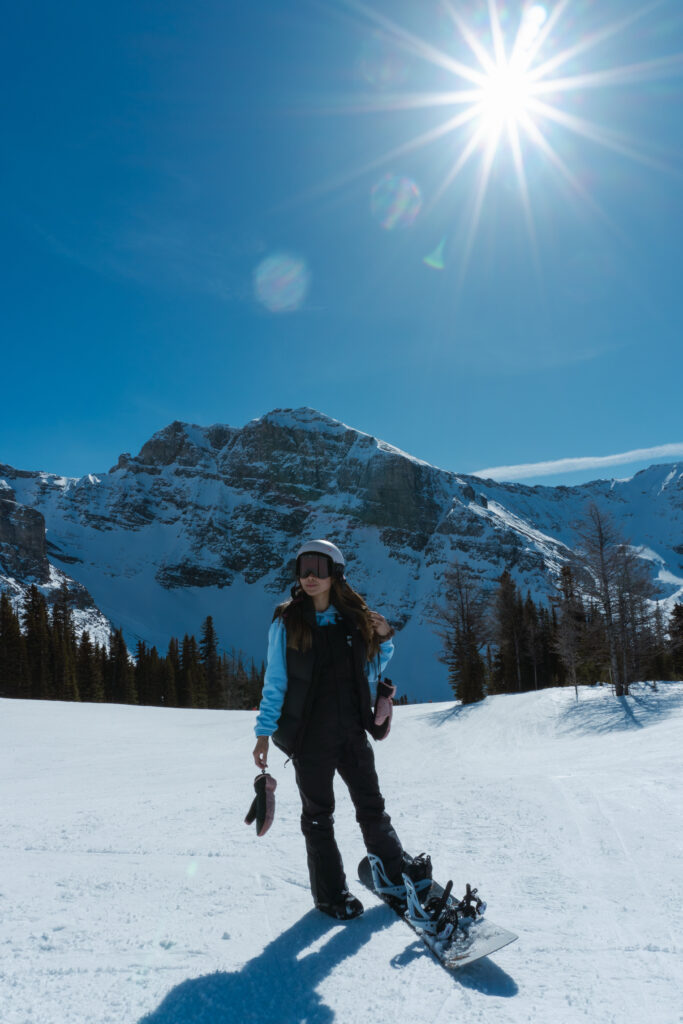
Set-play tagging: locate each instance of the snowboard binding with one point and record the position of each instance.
(443, 918)
(397, 892)
(471, 905)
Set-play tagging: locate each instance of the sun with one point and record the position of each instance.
(505, 99)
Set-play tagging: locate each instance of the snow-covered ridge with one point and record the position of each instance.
(306, 418)
(204, 520)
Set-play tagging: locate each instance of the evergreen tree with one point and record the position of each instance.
(102, 658)
(36, 628)
(552, 670)
(676, 640)
(14, 674)
(463, 634)
(211, 664)
(570, 626)
(508, 632)
(254, 686)
(488, 678)
(594, 662)
(242, 681)
(156, 676)
(89, 671)
(244, 686)
(120, 682)
(231, 695)
(660, 663)
(142, 674)
(192, 675)
(65, 686)
(167, 684)
(174, 673)
(531, 635)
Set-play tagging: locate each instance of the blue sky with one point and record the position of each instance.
(211, 210)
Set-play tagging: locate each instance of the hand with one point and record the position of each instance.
(261, 752)
(382, 627)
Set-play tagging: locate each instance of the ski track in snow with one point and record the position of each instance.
(131, 890)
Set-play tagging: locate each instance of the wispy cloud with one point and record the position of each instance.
(586, 462)
(162, 253)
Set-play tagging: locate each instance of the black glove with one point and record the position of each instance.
(262, 809)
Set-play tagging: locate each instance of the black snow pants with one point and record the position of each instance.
(335, 741)
(354, 760)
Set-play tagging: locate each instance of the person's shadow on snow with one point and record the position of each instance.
(280, 983)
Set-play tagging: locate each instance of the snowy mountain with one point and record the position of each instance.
(132, 893)
(205, 520)
(24, 560)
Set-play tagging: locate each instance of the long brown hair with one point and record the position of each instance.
(348, 603)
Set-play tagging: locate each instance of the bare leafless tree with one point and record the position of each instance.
(611, 573)
(636, 628)
(597, 568)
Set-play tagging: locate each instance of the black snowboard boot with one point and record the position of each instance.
(418, 869)
(344, 908)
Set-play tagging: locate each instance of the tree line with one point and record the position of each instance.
(42, 658)
(602, 625)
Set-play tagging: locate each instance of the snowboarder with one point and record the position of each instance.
(325, 648)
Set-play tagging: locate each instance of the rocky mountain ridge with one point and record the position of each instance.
(205, 520)
(24, 561)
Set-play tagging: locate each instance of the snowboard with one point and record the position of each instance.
(481, 938)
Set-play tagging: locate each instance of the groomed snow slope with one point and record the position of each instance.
(130, 888)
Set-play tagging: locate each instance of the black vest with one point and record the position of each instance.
(328, 694)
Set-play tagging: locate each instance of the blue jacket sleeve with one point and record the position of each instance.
(275, 681)
(378, 664)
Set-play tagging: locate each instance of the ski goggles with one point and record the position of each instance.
(313, 564)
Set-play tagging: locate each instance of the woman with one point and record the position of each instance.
(325, 647)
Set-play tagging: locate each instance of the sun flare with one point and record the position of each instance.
(512, 88)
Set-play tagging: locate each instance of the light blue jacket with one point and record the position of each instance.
(275, 681)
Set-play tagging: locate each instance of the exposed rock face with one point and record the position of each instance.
(25, 561)
(205, 520)
(22, 541)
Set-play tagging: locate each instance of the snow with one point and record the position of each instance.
(669, 477)
(54, 480)
(648, 554)
(384, 446)
(131, 890)
(547, 545)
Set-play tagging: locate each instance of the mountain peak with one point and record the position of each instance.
(303, 418)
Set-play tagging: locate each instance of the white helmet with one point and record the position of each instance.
(324, 547)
